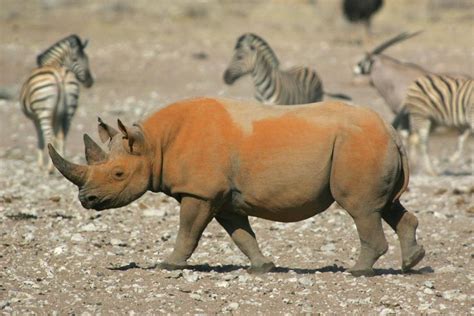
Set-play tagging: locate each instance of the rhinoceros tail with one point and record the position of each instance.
(402, 182)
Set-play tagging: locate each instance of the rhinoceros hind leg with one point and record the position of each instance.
(404, 224)
(413, 259)
(373, 243)
(238, 227)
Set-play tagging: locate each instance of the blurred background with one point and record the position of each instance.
(145, 54)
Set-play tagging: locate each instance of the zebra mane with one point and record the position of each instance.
(261, 45)
(57, 51)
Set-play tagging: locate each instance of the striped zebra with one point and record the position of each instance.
(252, 55)
(438, 100)
(50, 95)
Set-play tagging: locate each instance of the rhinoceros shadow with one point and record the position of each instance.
(280, 269)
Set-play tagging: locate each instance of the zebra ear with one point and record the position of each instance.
(84, 44)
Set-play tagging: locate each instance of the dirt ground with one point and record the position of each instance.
(58, 258)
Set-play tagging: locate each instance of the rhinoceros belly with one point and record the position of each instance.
(287, 194)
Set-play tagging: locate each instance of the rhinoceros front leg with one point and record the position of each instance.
(194, 216)
(238, 227)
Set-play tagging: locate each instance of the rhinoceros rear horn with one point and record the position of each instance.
(94, 153)
(74, 173)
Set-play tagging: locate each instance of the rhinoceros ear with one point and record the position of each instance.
(135, 137)
(106, 132)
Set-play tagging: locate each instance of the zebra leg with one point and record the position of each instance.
(48, 134)
(414, 142)
(60, 141)
(461, 140)
(420, 127)
(40, 145)
(424, 134)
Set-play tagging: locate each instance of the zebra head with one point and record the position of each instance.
(364, 67)
(69, 52)
(249, 51)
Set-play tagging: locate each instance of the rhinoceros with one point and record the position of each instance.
(229, 159)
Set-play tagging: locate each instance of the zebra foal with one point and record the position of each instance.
(298, 85)
(49, 97)
(438, 100)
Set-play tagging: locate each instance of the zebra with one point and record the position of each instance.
(298, 85)
(438, 100)
(49, 96)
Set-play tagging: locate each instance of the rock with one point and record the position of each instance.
(243, 278)
(195, 296)
(447, 269)
(328, 247)
(77, 237)
(231, 307)
(306, 281)
(4, 304)
(175, 274)
(223, 284)
(55, 198)
(454, 295)
(154, 213)
(428, 291)
(387, 311)
(88, 228)
(190, 276)
(59, 250)
(117, 242)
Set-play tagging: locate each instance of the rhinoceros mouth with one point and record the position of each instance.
(98, 206)
(93, 202)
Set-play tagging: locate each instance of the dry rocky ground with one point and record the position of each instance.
(58, 258)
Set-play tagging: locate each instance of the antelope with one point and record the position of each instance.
(390, 77)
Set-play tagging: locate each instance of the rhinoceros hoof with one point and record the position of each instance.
(171, 266)
(266, 267)
(365, 272)
(413, 260)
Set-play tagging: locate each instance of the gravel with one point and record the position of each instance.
(58, 258)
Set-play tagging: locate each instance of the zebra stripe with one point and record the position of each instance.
(49, 97)
(253, 55)
(442, 100)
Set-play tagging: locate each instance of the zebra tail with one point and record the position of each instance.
(401, 120)
(338, 96)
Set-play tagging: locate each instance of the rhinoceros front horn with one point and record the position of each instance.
(74, 173)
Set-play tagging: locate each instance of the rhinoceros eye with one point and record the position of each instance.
(118, 173)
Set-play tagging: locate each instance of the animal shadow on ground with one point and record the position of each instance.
(231, 267)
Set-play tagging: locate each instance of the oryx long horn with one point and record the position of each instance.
(400, 37)
(74, 173)
(94, 153)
